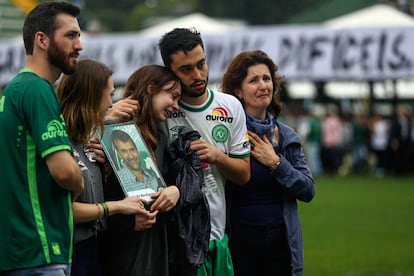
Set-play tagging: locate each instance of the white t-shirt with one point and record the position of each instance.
(221, 122)
(379, 137)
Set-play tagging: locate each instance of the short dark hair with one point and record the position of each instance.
(43, 19)
(179, 39)
(119, 135)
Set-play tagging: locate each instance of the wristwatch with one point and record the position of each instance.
(275, 166)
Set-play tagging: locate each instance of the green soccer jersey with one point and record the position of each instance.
(35, 212)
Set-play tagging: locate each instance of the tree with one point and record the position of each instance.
(132, 15)
(265, 12)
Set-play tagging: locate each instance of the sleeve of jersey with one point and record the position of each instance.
(239, 144)
(46, 125)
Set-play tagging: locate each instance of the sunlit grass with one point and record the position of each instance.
(359, 226)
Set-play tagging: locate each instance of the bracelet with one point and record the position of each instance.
(100, 211)
(275, 166)
(105, 208)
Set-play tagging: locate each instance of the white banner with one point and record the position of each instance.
(302, 52)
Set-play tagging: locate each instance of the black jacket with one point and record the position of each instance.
(189, 233)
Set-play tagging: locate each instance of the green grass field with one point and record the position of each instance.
(359, 226)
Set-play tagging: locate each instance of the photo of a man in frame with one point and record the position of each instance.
(135, 178)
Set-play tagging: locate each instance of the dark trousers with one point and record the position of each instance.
(85, 259)
(260, 251)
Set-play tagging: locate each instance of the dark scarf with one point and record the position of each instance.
(261, 128)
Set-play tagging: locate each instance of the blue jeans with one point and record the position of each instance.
(314, 155)
(47, 270)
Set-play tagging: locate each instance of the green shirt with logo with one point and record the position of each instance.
(36, 225)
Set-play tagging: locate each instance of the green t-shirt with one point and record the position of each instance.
(314, 135)
(36, 217)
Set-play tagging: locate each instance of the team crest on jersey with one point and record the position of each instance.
(220, 114)
(220, 133)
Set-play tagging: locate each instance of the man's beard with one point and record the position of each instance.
(189, 92)
(59, 59)
(192, 93)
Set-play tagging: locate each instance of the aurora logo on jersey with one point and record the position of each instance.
(55, 129)
(178, 114)
(220, 114)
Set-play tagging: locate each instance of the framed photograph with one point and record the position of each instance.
(131, 160)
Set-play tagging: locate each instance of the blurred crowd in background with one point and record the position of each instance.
(342, 143)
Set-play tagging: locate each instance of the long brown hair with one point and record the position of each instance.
(80, 97)
(138, 86)
(237, 71)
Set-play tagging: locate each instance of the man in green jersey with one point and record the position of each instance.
(39, 176)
